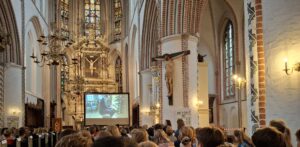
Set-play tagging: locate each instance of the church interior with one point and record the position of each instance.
(226, 63)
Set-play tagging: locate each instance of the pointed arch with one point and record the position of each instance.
(12, 52)
(150, 35)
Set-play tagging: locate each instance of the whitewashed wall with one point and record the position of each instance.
(281, 40)
(212, 20)
(36, 83)
(13, 93)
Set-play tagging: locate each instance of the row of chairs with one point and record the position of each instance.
(45, 140)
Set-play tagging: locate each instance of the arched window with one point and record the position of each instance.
(228, 58)
(117, 18)
(118, 70)
(92, 16)
(64, 15)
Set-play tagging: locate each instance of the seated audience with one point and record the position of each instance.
(268, 137)
(209, 137)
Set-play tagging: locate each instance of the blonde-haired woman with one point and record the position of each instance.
(161, 139)
(114, 131)
(139, 135)
(186, 137)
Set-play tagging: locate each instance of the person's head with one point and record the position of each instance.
(281, 127)
(93, 129)
(128, 142)
(7, 133)
(240, 136)
(298, 137)
(74, 140)
(66, 132)
(139, 135)
(150, 131)
(158, 126)
(168, 123)
(114, 130)
(180, 123)
(186, 132)
(161, 137)
(22, 132)
(109, 141)
(186, 141)
(102, 134)
(209, 137)
(147, 144)
(268, 137)
(169, 130)
(86, 133)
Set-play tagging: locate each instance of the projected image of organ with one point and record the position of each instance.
(106, 106)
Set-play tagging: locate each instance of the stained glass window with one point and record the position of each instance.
(64, 14)
(229, 60)
(92, 16)
(118, 70)
(117, 18)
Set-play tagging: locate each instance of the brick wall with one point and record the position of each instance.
(261, 63)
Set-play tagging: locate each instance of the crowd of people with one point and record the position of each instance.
(277, 134)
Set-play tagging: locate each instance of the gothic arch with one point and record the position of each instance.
(181, 17)
(12, 52)
(33, 73)
(150, 35)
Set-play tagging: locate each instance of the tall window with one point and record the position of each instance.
(64, 15)
(92, 16)
(229, 60)
(118, 70)
(117, 18)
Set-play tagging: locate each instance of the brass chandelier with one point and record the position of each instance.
(53, 49)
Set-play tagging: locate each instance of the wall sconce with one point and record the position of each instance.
(289, 71)
(199, 103)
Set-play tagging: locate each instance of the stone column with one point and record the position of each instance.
(13, 103)
(184, 79)
(146, 96)
(202, 102)
(255, 66)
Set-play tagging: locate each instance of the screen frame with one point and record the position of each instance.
(86, 93)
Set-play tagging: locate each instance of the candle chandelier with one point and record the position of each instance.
(52, 49)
